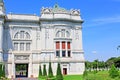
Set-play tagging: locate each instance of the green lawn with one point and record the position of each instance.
(73, 77)
(101, 75)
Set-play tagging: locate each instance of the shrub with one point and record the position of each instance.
(113, 72)
(44, 70)
(85, 74)
(59, 75)
(50, 72)
(40, 71)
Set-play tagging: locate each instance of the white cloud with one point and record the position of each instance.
(103, 21)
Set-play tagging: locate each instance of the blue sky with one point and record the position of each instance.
(101, 27)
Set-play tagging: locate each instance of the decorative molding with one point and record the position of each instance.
(21, 57)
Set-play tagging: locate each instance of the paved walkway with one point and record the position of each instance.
(24, 79)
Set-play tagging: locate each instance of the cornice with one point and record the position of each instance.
(20, 20)
(61, 19)
(61, 61)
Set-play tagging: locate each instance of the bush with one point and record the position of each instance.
(85, 74)
(44, 70)
(113, 72)
(2, 70)
(59, 75)
(50, 72)
(40, 72)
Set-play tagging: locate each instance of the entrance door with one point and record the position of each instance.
(64, 71)
(21, 70)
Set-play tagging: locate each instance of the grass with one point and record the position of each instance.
(101, 75)
(73, 77)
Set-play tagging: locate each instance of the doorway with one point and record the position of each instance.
(21, 70)
(64, 71)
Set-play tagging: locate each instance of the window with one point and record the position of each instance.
(63, 33)
(69, 53)
(57, 53)
(27, 36)
(63, 45)
(16, 35)
(58, 34)
(68, 45)
(27, 46)
(57, 45)
(21, 46)
(63, 53)
(67, 34)
(22, 34)
(63, 49)
(15, 46)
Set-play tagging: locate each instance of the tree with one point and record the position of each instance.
(113, 72)
(44, 70)
(40, 71)
(59, 75)
(50, 72)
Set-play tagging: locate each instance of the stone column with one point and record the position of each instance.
(66, 49)
(13, 66)
(30, 66)
(60, 48)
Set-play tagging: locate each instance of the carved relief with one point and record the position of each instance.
(77, 35)
(38, 34)
(75, 12)
(21, 57)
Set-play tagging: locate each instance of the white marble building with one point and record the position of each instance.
(55, 35)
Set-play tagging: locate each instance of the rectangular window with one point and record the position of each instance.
(15, 46)
(57, 53)
(57, 45)
(27, 46)
(68, 45)
(63, 54)
(21, 46)
(63, 45)
(69, 53)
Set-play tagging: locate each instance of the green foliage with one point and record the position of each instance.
(85, 74)
(50, 72)
(2, 70)
(113, 72)
(44, 70)
(40, 71)
(59, 75)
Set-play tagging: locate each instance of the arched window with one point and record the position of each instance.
(58, 34)
(27, 35)
(63, 33)
(16, 35)
(67, 34)
(22, 34)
